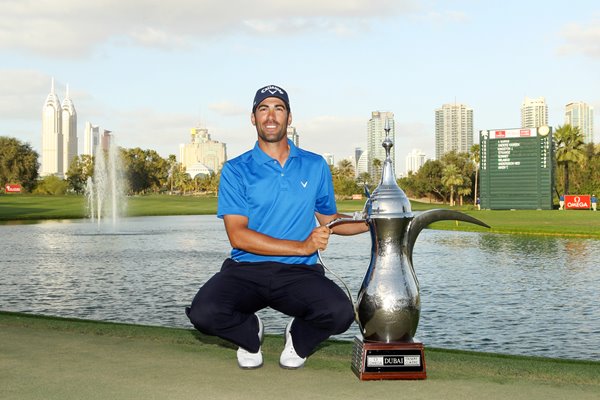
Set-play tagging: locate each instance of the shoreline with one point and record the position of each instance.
(565, 223)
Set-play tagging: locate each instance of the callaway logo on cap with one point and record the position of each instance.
(270, 91)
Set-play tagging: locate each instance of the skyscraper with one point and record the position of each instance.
(52, 140)
(581, 115)
(415, 160)
(59, 134)
(293, 135)
(203, 150)
(69, 131)
(358, 152)
(534, 113)
(91, 139)
(375, 137)
(453, 129)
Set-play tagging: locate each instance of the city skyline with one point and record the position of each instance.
(150, 78)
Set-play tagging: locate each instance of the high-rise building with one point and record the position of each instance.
(362, 165)
(534, 113)
(358, 152)
(329, 159)
(415, 160)
(581, 115)
(52, 140)
(59, 134)
(293, 135)
(202, 150)
(69, 131)
(106, 140)
(91, 138)
(453, 129)
(375, 137)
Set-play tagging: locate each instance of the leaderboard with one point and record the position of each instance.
(516, 169)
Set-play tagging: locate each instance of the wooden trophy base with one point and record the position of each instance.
(379, 361)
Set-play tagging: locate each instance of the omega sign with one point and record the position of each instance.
(16, 188)
(577, 202)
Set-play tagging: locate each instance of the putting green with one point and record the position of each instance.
(54, 358)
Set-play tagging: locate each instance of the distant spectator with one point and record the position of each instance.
(561, 202)
(594, 202)
(478, 204)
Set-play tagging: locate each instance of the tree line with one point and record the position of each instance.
(453, 179)
(144, 172)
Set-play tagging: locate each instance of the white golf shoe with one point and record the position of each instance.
(247, 360)
(289, 359)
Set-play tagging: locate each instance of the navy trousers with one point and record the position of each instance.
(225, 305)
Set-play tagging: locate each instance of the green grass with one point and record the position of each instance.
(33, 207)
(335, 355)
(571, 223)
(537, 222)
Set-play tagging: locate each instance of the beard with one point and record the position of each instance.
(275, 137)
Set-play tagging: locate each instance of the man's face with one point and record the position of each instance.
(271, 119)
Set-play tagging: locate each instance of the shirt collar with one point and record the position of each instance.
(262, 158)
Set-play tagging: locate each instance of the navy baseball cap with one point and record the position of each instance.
(270, 91)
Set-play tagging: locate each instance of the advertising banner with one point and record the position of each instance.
(578, 202)
(12, 188)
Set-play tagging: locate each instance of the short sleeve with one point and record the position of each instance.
(325, 201)
(232, 199)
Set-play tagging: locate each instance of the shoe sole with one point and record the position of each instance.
(287, 367)
(257, 367)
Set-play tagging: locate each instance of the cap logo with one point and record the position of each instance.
(272, 89)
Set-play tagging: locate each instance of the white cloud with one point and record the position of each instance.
(20, 95)
(582, 39)
(73, 28)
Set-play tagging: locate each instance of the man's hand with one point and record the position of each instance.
(317, 240)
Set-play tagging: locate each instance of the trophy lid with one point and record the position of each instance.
(388, 200)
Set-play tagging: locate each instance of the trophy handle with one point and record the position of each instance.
(428, 217)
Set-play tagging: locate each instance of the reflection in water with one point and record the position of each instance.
(499, 293)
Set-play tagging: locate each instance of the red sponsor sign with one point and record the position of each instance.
(525, 132)
(578, 202)
(12, 188)
(500, 134)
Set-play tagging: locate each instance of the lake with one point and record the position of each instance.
(511, 294)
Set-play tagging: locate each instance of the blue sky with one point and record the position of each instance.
(151, 70)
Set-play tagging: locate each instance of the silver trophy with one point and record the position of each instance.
(389, 304)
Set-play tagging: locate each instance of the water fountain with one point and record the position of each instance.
(105, 191)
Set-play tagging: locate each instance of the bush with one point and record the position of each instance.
(51, 185)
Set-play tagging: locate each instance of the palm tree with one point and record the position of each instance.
(463, 190)
(377, 163)
(569, 149)
(364, 179)
(451, 177)
(346, 169)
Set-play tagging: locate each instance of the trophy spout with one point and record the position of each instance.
(428, 217)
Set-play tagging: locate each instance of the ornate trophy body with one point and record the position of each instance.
(389, 304)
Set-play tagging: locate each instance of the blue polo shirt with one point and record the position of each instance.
(278, 201)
